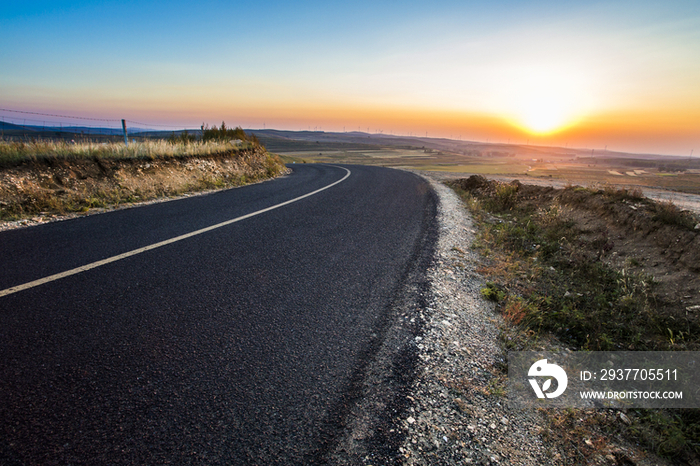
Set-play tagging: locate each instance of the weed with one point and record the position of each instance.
(515, 311)
(632, 262)
(492, 292)
(670, 433)
(622, 194)
(497, 387)
(184, 138)
(667, 212)
(505, 197)
(566, 290)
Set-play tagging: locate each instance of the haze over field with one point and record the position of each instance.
(618, 74)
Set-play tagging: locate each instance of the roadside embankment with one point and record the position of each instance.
(459, 411)
(46, 188)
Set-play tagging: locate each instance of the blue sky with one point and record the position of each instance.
(551, 70)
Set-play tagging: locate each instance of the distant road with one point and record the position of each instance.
(235, 345)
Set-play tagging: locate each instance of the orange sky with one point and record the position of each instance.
(620, 74)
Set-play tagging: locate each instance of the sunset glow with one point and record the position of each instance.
(544, 111)
(505, 71)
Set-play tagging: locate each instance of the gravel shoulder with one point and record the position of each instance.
(458, 413)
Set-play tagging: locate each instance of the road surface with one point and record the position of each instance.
(239, 344)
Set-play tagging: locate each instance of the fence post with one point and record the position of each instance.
(126, 138)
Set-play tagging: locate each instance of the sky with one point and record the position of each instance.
(618, 74)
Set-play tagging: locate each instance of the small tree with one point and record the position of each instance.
(224, 133)
(238, 133)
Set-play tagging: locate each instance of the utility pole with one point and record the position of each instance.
(126, 137)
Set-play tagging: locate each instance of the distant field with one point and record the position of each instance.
(479, 169)
(684, 182)
(674, 174)
(384, 157)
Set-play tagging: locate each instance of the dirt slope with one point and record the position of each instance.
(633, 233)
(50, 188)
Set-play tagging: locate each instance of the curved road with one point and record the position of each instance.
(238, 345)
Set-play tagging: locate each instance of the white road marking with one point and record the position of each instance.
(134, 252)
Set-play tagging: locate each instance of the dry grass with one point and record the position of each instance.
(14, 153)
(57, 178)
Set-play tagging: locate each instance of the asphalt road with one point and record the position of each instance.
(239, 345)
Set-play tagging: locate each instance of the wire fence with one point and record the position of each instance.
(25, 125)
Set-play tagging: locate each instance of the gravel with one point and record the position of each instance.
(457, 413)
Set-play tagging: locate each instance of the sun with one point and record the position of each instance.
(544, 114)
(545, 101)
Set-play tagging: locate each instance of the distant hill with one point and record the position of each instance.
(310, 141)
(10, 127)
(60, 129)
(304, 141)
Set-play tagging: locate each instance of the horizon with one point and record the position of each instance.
(621, 75)
(176, 129)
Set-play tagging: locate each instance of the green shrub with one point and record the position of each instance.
(226, 134)
(505, 197)
(492, 292)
